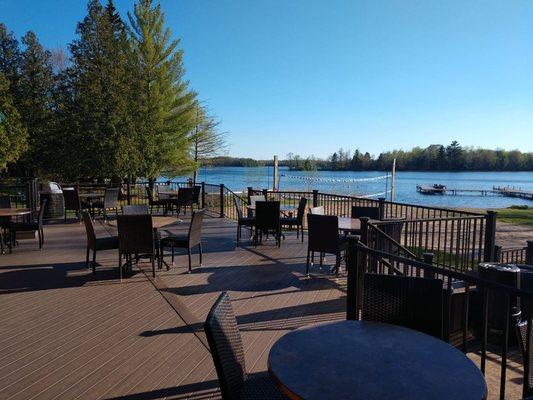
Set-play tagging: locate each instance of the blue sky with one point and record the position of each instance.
(309, 76)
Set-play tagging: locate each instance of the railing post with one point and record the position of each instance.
(529, 252)
(32, 195)
(128, 191)
(490, 236)
(428, 259)
(250, 193)
(265, 193)
(498, 253)
(203, 194)
(352, 285)
(364, 230)
(381, 208)
(221, 200)
(315, 198)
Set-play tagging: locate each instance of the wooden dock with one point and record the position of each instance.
(496, 190)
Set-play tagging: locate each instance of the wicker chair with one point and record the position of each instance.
(35, 225)
(196, 195)
(110, 202)
(73, 202)
(267, 220)
(135, 209)
(524, 342)
(242, 220)
(94, 243)
(297, 221)
(192, 239)
(185, 199)
(155, 203)
(317, 210)
(370, 212)
(414, 303)
(136, 236)
(254, 199)
(227, 350)
(323, 232)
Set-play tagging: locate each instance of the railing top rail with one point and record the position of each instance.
(451, 210)
(418, 220)
(471, 279)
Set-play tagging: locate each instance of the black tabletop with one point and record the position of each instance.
(371, 360)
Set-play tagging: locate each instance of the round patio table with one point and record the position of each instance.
(14, 212)
(371, 360)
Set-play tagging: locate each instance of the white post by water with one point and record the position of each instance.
(275, 181)
(393, 181)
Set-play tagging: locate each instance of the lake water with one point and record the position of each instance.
(239, 178)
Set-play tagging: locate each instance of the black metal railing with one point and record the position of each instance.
(473, 313)
(517, 255)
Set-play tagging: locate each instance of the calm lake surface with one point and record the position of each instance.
(239, 178)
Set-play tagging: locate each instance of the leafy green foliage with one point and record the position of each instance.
(13, 134)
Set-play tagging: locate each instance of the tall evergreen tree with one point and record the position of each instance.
(12, 132)
(35, 104)
(165, 104)
(10, 58)
(100, 76)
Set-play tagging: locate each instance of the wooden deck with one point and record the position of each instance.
(67, 334)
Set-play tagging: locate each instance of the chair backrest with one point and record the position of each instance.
(89, 229)
(370, 212)
(135, 209)
(72, 199)
(135, 234)
(267, 215)
(414, 303)
(255, 199)
(5, 201)
(238, 207)
(226, 346)
(162, 188)
(40, 214)
(185, 194)
(301, 209)
(195, 228)
(525, 344)
(323, 233)
(111, 197)
(150, 195)
(196, 194)
(317, 210)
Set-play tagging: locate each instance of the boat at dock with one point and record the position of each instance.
(435, 189)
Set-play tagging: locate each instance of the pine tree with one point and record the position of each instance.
(35, 104)
(13, 134)
(10, 58)
(101, 76)
(206, 140)
(165, 104)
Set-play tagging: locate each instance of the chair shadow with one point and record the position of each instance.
(193, 391)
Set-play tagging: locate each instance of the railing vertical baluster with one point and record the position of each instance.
(203, 194)
(484, 328)
(221, 200)
(465, 315)
(505, 347)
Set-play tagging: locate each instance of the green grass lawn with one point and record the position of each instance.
(519, 216)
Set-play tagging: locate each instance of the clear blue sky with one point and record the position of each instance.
(312, 76)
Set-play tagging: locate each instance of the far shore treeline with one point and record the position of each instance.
(432, 158)
(114, 104)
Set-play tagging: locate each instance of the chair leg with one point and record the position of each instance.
(337, 264)
(153, 265)
(172, 247)
(321, 260)
(40, 239)
(120, 265)
(87, 258)
(200, 250)
(189, 253)
(94, 261)
(302, 233)
(307, 267)
(238, 233)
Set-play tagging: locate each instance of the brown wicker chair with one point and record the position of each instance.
(242, 220)
(135, 209)
(35, 225)
(323, 237)
(192, 239)
(110, 202)
(525, 344)
(267, 220)
(196, 195)
(370, 212)
(136, 236)
(414, 303)
(96, 243)
(156, 203)
(227, 350)
(297, 221)
(185, 199)
(73, 202)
